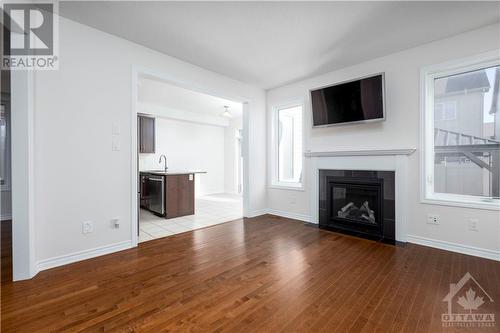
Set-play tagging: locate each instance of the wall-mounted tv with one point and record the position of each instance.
(360, 100)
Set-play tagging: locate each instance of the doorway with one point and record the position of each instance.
(194, 152)
(5, 179)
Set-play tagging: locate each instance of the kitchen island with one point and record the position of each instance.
(168, 193)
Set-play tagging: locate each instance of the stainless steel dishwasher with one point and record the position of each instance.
(155, 189)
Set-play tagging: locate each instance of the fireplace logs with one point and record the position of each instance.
(363, 213)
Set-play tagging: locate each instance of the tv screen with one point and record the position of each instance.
(353, 101)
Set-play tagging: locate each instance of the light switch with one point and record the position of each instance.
(115, 129)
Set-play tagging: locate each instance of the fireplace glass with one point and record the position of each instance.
(357, 203)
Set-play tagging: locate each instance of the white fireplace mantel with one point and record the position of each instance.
(378, 160)
(365, 152)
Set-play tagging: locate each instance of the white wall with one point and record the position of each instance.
(190, 146)
(77, 175)
(400, 130)
(231, 156)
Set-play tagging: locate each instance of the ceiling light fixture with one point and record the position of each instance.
(226, 112)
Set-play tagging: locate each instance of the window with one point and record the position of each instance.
(462, 134)
(445, 111)
(287, 146)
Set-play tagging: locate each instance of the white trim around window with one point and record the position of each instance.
(274, 181)
(427, 77)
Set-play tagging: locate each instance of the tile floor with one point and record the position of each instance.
(209, 210)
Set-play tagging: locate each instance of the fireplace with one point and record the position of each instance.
(360, 203)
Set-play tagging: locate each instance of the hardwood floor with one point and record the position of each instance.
(265, 274)
(6, 250)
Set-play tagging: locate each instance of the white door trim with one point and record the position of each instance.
(23, 185)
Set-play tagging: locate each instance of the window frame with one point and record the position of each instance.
(427, 77)
(274, 181)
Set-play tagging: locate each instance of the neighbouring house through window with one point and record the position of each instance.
(445, 111)
(463, 141)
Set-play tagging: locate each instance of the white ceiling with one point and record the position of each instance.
(269, 44)
(159, 93)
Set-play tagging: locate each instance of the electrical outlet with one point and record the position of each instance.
(87, 227)
(473, 224)
(432, 219)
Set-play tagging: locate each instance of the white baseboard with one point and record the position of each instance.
(294, 216)
(6, 217)
(81, 255)
(256, 213)
(454, 247)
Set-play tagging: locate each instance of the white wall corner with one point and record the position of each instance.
(23, 184)
(293, 216)
(255, 213)
(280, 213)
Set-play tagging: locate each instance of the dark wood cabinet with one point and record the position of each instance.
(146, 134)
(179, 195)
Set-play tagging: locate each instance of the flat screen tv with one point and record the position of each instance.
(360, 100)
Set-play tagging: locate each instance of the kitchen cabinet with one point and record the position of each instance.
(168, 195)
(179, 195)
(146, 127)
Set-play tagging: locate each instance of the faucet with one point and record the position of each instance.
(165, 158)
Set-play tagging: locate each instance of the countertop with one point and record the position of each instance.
(172, 172)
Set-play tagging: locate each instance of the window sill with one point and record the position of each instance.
(486, 205)
(298, 187)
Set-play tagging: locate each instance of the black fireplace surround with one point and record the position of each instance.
(359, 203)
